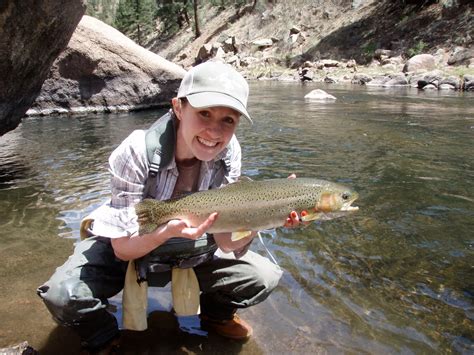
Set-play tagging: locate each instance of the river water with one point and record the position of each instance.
(395, 277)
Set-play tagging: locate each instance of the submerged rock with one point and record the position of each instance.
(103, 70)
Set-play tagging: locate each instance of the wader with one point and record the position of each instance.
(77, 293)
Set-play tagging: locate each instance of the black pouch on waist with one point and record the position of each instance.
(176, 252)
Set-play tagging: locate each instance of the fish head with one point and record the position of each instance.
(336, 198)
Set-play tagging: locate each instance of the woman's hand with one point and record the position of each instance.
(135, 246)
(180, 228)
(293, 220)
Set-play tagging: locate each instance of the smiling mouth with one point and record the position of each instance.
(206, 142)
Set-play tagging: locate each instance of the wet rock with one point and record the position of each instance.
(32, 35)
(319, 94)
(446, 87)
(430, 87)
(306, 74)
(452, 81)
(361, 79)
(432, 78)
(396, 80)
(468, 83)
(420, 62)
(378, 81)
(102, 70)
(330, 80)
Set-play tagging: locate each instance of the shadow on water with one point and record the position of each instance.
(163, 336)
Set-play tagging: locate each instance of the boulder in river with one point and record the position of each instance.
(319, 94)
(468, 83)
(32, 35)
(102, 70)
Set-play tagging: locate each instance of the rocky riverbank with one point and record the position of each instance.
(364, 42)
(444, 70)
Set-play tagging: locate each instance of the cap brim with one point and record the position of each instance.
(213, 99)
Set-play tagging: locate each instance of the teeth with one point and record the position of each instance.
(206, 142)
(350, 208)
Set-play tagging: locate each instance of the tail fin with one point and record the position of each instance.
(145, 213)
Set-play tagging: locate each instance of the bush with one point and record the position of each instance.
(417, 49)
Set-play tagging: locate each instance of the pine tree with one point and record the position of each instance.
(136, 18)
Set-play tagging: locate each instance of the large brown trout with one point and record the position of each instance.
(247, 206)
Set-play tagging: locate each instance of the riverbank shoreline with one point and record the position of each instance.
(449, 79)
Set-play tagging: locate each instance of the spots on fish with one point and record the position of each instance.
(245, 204)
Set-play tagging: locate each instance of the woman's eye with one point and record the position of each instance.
(229, 120)
(204, 113)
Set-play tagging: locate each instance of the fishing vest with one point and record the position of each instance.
(160, 141)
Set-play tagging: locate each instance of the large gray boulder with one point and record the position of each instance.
(102, 70)
(32, 34)
(420, 62)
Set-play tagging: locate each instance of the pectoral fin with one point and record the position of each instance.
(240, 235)
(310, 216)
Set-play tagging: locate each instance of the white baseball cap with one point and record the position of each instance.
(215, 84)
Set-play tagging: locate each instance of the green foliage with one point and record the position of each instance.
(419, 48)
(369, 49)
(136, 18)
(103, 10)
(174, 14)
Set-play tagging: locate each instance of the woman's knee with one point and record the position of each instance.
(68, 299)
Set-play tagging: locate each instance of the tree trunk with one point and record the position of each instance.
(253, 5)
(196, 20)
(138, 19)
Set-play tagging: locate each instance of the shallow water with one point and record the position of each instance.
(396, 277)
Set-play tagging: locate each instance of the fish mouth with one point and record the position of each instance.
(347, 206)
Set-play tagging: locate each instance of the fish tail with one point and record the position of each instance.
(145, 214)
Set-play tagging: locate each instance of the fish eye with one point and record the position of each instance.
(345, 195)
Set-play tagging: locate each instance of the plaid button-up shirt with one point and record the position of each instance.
(128, 165)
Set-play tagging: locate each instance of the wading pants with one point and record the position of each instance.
(77, 293)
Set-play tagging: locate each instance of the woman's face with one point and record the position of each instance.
(203, 132)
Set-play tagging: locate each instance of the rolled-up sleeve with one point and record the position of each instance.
(128, 166)
(235, 161)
